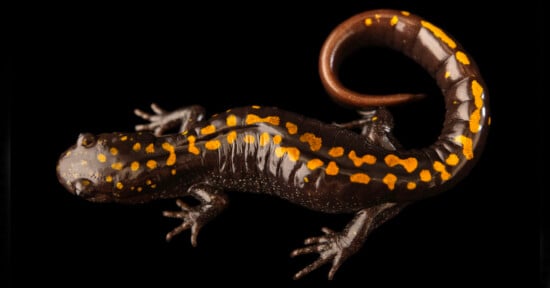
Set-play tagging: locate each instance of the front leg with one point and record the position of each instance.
(336, 247)
(212, 202)
(163, 120)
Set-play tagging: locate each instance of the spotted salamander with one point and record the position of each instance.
(324, 167)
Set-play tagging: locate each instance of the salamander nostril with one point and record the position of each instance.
(86, 140)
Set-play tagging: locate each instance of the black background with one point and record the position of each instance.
(85, 68)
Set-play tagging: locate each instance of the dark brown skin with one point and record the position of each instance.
(324, 167)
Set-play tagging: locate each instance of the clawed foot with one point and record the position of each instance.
(332, 247)
(191, 217)
(162, 120)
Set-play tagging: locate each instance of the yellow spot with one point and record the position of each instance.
(151, 164)
(440, 167)
(231, 137)
(139, 189)
(358, 161)
(277, 139)
(409, 164)
(109, 179)
(439, 33)
(136, 147)
(252, 119)
(462, 58)
(489, 121)
(475, 117)
(368, 21)
(336, 151)
(185, 132)
(332, 168)
(390, 180)
(123, 138)
(148, 182)
(256, 107)
(359, 178)
(154, 186)
(172, 156)
(101, 158)
(86, 182)
(411, 185)
(173, 171)
(291, 127)
(212, 144)
(447, 75)
(117, 166)
(293, 152)
(452, 160)
(306, 179)
(425, 175)
(132, 188)
(405, 13)
(249, 138)
(150, 148)
(394, 20)
(192, 148)
(314, 164)
(134, 166)
(119, 185)
(467, 146)
(113, 151)
(377, 17)
(374, 118)
(208, 130)
(68, 154)
(231, 120)
(313, 141)
(264, 139)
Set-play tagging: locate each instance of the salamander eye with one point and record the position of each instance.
(86, 140)
(83, 187)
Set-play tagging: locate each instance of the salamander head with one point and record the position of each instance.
(102, 168)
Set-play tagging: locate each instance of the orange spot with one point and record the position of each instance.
(148, 182)
(425, 175)
(255, 107)
(109, 179)
(452, 159)
(336, 151)
(368, 22)
(134, 166)
(192, 148)
(151, 164)
(439, 33)
(291, 127)
(139, 189)
(332, 168)
(314, 164)
(173, 171)
(212, 144)
(390, 180)
(292, 152)
(101, 158)
(440, 167)
(358, 161)
(113, 151)
(277, 139)
(411, 185)
(119, 185)
(359, 178)
(123, 138)
(136, 147)
(231, 137)
(208, 130)
(172, 157)
(405, 13)
(150, 148)
(409, 164)
(467, 146)
(117, 166)
(313, 141)
(231, 120)
(475, 117)
(462, 58)
(252, 119)
(394, 20)
(264, 139)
